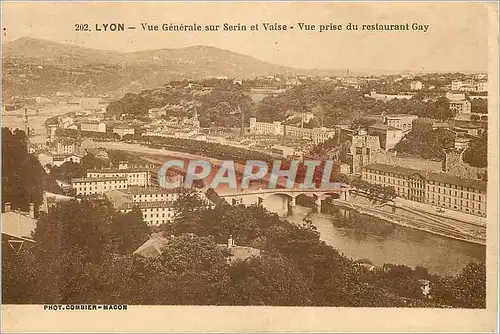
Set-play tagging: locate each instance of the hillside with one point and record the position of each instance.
(79, 67)
(44, 52)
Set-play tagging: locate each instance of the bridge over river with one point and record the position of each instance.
(257, 196)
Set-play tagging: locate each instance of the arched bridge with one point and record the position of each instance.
(235, 197)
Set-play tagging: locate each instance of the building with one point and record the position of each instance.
(455, 96)
(123, 130)
(154, 213)
(153, 246)
(416, 85)
(400, 121)
(482, 86)
(426, 124)
(388, 97)
(316, 135)
(135, 176)
(155, 113)
(59, 159)
(357, 148)
(460, 107)
(45, 158)
(93, 126)
(388, 135)
(456, 85)
(98, 185)
(67, 146)
(155, 194)
(51, 132)
(438, 189)
(17, 228)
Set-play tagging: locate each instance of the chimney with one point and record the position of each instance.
(7, 206)
(32, 210)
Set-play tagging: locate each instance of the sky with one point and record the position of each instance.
(456, 40)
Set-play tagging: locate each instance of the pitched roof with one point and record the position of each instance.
(152, 247)
(17, 225)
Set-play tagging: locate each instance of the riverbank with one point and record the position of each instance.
(423, 223)
(426, 224)
(382, 241)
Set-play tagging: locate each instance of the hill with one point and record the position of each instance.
(84, 67)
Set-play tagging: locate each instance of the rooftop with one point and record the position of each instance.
(152, 247)
(145, 205)
(99, 179)
(152, 190)
(17, 224)
(384, 127)
(118, 170)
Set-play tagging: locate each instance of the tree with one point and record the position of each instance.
(191, 271)
(470, 286)
(23, 178)
(269, 280)
(128, 231)
(477, 153)
(442, 107)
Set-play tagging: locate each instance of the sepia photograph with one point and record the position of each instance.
(269, 166)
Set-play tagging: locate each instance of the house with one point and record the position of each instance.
(45, 158)
(93, 126)
(153, 246)
(389, 136)
(460, 107)
(17, 228)
(416, 85)
(67, 146)
(123, 130)
(400, 121)
(60, 159)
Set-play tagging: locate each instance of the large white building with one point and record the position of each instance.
(156, 204)
(439, 189)
(416, 85)
(401, 121)
(98, 185)
(154, 213)
(93, 126)
(316, 135)
(135, 176)
(67, 146)
(461, 107)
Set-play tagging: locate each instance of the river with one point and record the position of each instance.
(386, 244)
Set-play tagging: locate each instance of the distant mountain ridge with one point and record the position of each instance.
(190, 61)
